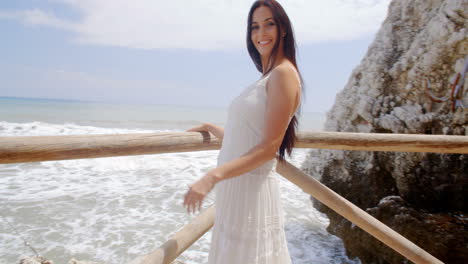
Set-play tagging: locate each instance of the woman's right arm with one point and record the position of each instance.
(217, 131)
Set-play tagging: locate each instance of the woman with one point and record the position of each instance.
(261, 121)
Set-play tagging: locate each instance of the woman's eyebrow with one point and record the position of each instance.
(255, 22)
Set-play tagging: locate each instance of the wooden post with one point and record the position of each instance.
(181, 240)
(44, 148)
(355, 214)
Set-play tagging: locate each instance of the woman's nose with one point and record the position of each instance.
(262, 31)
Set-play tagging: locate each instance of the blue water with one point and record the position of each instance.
(115, 115)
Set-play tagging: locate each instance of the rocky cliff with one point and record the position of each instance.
(410, 81)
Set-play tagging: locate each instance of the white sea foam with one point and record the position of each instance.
(113, 209)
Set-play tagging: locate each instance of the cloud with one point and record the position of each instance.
(203, 24)
(38, 17)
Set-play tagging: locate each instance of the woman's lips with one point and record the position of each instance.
(264, 42)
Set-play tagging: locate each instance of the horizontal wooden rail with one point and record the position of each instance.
(44, 148)
(189, 234)
(384, 142)
(181, 240)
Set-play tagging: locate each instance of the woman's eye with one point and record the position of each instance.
(271, 24)
(254, 28)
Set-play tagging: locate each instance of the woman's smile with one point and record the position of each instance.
(264, 42)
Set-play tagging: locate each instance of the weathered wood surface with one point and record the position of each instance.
(384, 142)
(181, 240)
(355, 214)
(43, 148)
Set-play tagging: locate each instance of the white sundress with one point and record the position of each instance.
(249, 221)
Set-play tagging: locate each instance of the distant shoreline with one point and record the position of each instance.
(44, 99)
(64, 100)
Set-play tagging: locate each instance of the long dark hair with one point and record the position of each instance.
(289, 48)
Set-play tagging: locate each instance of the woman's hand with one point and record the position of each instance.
(197, 192)
(217, 131)
(198, 128)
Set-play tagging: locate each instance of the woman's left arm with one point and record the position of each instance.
(283, 90)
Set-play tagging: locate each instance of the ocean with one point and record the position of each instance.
(111, 210)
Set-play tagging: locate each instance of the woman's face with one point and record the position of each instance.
(263, 31)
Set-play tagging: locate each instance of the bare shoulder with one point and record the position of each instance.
(284, 75)
(284, 87)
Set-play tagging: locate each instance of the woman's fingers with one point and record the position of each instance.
(196, 129)
(196, 193)
(193, 200)
(200, 128)
(189, 203)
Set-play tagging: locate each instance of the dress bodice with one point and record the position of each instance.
(245, 123)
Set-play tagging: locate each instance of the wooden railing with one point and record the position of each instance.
(31, 149)
(43, 148)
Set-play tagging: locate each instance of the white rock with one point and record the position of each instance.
(35, 260)
(428, 38)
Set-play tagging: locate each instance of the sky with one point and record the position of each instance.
(185, 52)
